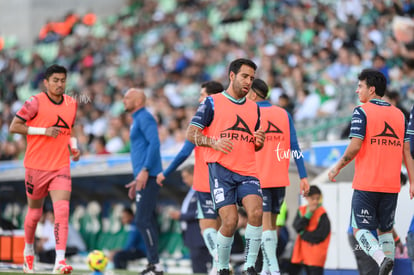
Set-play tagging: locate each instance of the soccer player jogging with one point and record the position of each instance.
(379, 143)
(208, 219)
(228, 124)
(47, 119)
(146, 164)
(272, 164)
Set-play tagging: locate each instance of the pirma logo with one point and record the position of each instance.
(271, 128)
(61, 123)
(239, 131)
(240, 125)
(387, 137)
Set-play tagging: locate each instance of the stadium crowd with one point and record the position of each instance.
(305, 50)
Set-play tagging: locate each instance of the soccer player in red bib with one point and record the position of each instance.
(228, 124)
(273, 168)
(379, 143)
(47, 120)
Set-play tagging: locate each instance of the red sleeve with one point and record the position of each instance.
(29, 109)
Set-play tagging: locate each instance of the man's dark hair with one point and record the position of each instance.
(55, 69)
(260, 88)
(212, 87)
(374, 78)
(235, 65)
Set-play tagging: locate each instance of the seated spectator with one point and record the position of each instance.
(99, 146)
(134, 247)
(308, 105)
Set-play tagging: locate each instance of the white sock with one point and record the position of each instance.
(388, 245)
(60, 256)
(158, 267)
(28, 249)
(378, 256)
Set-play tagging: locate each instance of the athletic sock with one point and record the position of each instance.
(370, 245)
(253, 238)
(30, 223)
(387, 243)
(210, 237)
(61, 211)
(269, 245)
(223, 250)
(60, 256)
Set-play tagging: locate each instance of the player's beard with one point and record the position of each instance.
(238, 90)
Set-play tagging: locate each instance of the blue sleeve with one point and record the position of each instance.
(150, 130)
(258, 119)
(358, 124)
(133, 239)
(294, 146)
(184, 153)
(410, 131)
(205, 113)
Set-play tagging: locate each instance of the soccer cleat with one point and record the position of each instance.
(224, 272)
(28, 265)
(250, 271)
(386, 266)
(150, 270)
(62, 268)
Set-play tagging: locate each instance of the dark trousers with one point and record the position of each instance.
(122, 257)
(200, 258)
(146, 218)
(296, 269)
(49, 256)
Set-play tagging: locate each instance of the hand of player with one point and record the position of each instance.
(75, 154)
(400, 246)
(411, 190)
(160, 179)
(223, 145)
(52, 131)
(259, 137)
(131, 192)
(141, 180)
(332, 174)
(304, 187)
(174, 214)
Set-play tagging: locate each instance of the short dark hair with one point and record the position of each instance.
(55, 69)
(212, 87)
(374, 78)
(235, 65)
(260, 88)
(128, 210)
(189, 169)
(393, 95)
(314, 190)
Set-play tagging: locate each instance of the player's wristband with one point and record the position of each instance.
(36, 131)
(73, 143)
(397, 239)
